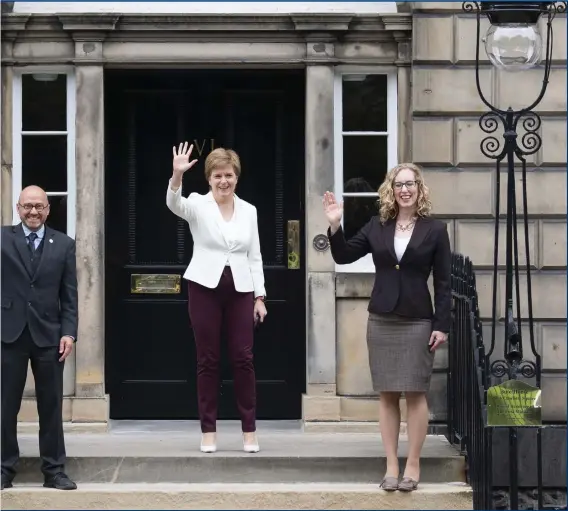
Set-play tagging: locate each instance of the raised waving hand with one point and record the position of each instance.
(333, 210)
(181, 163)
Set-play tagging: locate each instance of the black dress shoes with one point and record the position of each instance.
(6, 482)
(59, 481)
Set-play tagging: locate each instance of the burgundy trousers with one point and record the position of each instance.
(213, 311)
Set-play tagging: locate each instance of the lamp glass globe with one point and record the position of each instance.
(514, 47)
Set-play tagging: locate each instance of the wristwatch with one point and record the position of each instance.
(261, 298)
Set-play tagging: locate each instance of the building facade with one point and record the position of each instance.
(313, 98)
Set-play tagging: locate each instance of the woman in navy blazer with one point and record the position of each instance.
(403, 329)
(226, 284)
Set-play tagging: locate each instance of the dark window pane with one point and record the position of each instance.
(365, 103)
(365, 161)
(44, 162)
(44, 103)
(58, 213)
(357, 211)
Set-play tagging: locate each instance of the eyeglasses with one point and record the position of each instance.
(409, 185)
(38, 207)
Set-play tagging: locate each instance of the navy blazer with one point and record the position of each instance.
(43, 298)
(402, 287)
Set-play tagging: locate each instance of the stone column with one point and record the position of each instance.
(404, 98)
(6, 126)
(321, 402)
(90, 404)
(400, 28)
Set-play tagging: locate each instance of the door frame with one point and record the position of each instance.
(302, 383)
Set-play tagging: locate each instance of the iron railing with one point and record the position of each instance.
(471, 373)
(466, 389)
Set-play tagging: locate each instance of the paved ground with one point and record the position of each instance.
(168, 452)
(182, 438)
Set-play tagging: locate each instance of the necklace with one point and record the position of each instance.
(404, 228)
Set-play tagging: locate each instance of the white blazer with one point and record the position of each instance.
(212, 251)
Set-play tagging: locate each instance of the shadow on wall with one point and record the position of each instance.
(7, 7)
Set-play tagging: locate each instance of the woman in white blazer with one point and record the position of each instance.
(226, 284)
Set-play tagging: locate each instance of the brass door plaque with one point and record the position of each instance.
(514, 403)
(293, 244)
(151, 284)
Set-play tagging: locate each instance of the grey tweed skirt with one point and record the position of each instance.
(399, 355)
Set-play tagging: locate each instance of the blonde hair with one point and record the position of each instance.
(222, 157)
(388, 207)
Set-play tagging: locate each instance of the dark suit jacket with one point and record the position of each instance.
(402, 287)
(45, 300)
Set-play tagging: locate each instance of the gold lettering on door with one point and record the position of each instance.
(201, 148)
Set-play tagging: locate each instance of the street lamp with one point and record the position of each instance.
(513, 43)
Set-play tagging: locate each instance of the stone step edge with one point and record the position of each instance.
(32, 428)
(232, 496)
(449, 487)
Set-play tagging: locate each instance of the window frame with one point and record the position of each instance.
(70, 132)
(365, 264)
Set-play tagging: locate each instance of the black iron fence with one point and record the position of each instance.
(466, 389)
(470, 376)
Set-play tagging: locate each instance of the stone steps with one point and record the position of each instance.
(158, 465)
(158, 454)
(237, 496)
(245, 468)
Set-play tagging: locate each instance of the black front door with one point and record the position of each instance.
(150, 353)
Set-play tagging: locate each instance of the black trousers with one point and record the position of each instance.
(48, 375)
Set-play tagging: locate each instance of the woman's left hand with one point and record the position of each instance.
(259, 312)
(436, 339)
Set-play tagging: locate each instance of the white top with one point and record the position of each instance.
(229, 230)
(400, 245)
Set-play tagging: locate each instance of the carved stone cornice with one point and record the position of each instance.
(322, 23)
(199, 23)
(397, 22)
(14, 23)
(91, 22)
(161, 25)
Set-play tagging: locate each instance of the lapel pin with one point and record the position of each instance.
(50, 240)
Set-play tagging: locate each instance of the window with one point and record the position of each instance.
(44, 140)
(365, 147)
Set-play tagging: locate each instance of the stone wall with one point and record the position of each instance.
(445, 139)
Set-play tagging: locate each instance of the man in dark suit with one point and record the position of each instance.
(39, 324)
